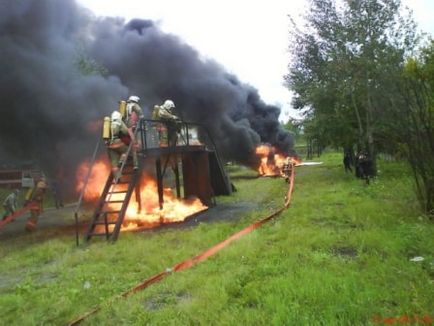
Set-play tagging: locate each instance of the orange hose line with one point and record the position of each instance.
(201, 257)
(18, 213)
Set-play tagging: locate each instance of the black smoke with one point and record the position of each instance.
(63, 69)
(46, 102)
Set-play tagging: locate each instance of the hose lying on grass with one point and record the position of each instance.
(201, 257)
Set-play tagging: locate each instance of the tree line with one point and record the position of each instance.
(363, 77)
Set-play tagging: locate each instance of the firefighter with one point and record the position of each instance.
(348, 159)
(364, 166)
(57, 194)
(10, 203)
(287, 169)
(133, 112)
(36, 201)
(116, 148)
(164, 112)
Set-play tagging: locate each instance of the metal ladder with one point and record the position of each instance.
(111, 219)
(113, 203)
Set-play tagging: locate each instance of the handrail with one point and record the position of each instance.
(187, 124)
(140, 126)
(183, 123)
(80, 200)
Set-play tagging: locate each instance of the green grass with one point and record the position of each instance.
(338, 256)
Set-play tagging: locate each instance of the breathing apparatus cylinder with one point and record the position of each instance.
(123, 108)
(106, 128)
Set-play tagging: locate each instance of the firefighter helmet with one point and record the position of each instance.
(168, 104)
(134, 98)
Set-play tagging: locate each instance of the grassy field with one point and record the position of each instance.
(340, 255)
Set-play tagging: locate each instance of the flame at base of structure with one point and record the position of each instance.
(174, 209)
(147, 213)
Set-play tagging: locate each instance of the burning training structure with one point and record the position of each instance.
(191, 164)
(85, 66)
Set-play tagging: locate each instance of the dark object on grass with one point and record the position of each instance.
(348, 161)
(364, 167)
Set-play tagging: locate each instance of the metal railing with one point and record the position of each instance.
(152, 135)
(157, 134)
(86, 181)
(83, 190)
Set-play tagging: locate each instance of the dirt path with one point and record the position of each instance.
(55, 222)
(50, 218)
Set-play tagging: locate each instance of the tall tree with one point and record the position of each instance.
(342, 63)
(413, 122)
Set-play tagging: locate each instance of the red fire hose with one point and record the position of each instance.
(197, 259)
(18, 213)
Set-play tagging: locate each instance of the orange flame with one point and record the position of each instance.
(174, 209)
(271, 162)
(96, 181)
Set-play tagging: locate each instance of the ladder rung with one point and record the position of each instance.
(103, 223)
(113, 201)
(117, 192)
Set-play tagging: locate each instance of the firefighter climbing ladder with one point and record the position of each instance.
(116, 195)
(108, 216)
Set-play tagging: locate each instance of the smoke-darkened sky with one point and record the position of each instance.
(48, 101)
(250, 38)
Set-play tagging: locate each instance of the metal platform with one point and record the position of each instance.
(192, 148)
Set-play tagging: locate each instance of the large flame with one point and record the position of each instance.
(174, 209)
(272, 162)
(96, 181)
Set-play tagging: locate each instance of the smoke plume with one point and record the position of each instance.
(62, 70)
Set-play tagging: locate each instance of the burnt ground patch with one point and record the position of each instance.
(60, 222)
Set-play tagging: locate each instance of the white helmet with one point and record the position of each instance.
(168, 104)
(134, 98)
(116, 117)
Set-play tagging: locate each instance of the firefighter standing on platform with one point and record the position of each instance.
(131, 114)
(36, 200)
(113, 130)
(10, 203)
(164, 113)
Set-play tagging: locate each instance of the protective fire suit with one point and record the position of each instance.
(36, 200)
(170, 121)
(116, 148)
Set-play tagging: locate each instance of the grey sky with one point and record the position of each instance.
(249, 38)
